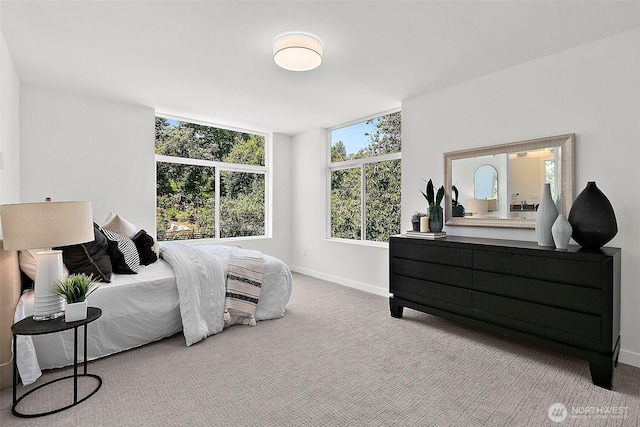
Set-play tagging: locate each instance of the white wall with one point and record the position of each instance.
(9, 128)
(358, 265)
(592, 90)
(81, 148)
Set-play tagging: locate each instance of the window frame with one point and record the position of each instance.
(220, 166)
(352, 164)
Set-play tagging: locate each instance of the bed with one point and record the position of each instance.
(140, 308)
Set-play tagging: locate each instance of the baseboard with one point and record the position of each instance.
(341, 281)
(629, 358)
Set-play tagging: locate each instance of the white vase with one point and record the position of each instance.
(75, 311)
(545, 217)
(561, 231)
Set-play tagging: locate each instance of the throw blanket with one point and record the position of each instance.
(201, 289)
(202, 283)
(244, 281)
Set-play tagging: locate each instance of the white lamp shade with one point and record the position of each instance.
(46, 224)
(297, 51)
(477, 206)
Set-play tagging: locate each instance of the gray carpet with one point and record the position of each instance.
(338, 359)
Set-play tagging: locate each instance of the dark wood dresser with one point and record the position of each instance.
(568, 300)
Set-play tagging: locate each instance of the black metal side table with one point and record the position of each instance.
(28, 326)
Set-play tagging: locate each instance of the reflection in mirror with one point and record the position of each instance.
(485, 182)
(510, 201)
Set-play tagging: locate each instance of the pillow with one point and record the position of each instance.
(123, 253)
(146, 247)
(90, 258)
(117, 224)
(27, 259)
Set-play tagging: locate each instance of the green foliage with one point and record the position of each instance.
(417, 215)
(76, 287)
(382, 181)
(433, 201)
(185, 194)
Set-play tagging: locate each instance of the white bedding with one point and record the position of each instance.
(137, 309)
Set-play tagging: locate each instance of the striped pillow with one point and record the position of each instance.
(123, 253)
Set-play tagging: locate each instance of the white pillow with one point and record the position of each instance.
(117, 224)
(27, 260)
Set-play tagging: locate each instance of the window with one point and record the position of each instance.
(364, 175)
(210, 182)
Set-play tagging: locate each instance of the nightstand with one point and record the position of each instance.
(28, 326)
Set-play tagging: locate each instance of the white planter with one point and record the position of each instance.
(76, 311)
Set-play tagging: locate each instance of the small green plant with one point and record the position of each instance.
(76, 287)
(433, 199)
(454, 202)
(417, 215)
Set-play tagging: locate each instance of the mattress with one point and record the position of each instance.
(136, 309)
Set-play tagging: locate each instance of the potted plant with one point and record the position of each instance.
(457, 210)
(415, 220)
(435, 210)
(75, 289)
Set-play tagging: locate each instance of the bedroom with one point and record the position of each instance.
(568, 87)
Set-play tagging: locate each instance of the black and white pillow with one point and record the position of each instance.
(123, 253)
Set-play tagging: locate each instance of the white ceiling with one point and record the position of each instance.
(212, 60)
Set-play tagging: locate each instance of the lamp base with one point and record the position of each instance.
(48, 305)
(48, 316)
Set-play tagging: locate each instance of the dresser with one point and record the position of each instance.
(568, 301)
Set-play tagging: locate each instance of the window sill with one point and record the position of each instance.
(359, 242)
(220, 241)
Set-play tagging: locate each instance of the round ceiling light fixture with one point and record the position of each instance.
(297, 51)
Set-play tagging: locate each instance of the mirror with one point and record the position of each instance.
(521, 170)
(485, 182)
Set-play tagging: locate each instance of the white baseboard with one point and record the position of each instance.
(344, 282)
(629, 358)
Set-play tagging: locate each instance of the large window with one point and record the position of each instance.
(364, 173)
(211, 182)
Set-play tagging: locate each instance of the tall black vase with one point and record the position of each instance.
(592, 218)
(435, 220)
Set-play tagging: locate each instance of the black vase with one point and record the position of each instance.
(435, 221)
(592, 218)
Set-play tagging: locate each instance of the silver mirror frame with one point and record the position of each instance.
(567, 179)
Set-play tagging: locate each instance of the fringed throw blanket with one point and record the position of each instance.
(244, 281)
(209, 298)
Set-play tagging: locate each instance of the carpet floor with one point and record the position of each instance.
(337, 358)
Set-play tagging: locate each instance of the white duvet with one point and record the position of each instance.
(145, 307)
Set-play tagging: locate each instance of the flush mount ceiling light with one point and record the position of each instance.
(297, 51)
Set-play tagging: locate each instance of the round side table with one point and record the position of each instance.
(28, 326)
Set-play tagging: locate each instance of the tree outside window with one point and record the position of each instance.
(365, 172)
(210, 181)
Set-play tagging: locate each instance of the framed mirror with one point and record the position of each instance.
(521, 170)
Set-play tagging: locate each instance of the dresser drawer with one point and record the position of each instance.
(430, 293)
(580, 273)
(545, 317)
(586, 300)
(438, 273)
(418, 250)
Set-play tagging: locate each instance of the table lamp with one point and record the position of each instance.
(45, 225)
(477, 207)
